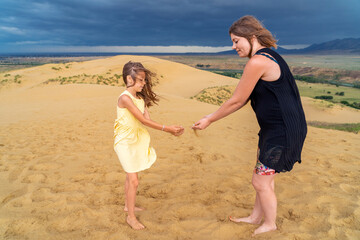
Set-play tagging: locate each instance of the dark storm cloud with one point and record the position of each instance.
(172, 22)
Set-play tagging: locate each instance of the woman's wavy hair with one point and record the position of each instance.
(132, 69)
(248, 26)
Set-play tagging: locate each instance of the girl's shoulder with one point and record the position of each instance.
(127, 98)
(125, 92)
(124, 98)
(127, 95)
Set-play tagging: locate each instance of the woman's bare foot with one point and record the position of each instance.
(264, 228)
(134, 223)
(136, 209)
(245, 220)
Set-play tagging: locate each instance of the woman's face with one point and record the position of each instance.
(241, 45)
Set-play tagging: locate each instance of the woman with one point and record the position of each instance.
(269, 84)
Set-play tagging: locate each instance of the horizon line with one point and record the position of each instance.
(130, 49)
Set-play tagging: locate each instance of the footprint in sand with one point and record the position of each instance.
(4, 168)
(45, 194)
(66, 187)
(291, 215)
(22, 201)
(29, 157)
(325, 164)
(348, 188)
(86, 178)
(113, 177)
(46, 166)
(216, 157)
(21, 229)
(35, 178)
(14, 175)
(157, 193)
(14, 195)
(198, 157)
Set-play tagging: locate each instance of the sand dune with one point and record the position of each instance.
(60, 178)
(322, 111)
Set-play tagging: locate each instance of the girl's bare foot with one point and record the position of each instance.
(134, 223)
(136, 209)
(245, 220)
(264, 228)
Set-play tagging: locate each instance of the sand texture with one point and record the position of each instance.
(61, 179)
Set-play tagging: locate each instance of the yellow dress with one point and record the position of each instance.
(132, 140)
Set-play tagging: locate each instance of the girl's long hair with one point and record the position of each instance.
(248, 26)
(132, 69)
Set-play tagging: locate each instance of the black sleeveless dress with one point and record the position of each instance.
(281, 118)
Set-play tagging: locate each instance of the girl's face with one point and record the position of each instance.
(140, 81)
(241, 45)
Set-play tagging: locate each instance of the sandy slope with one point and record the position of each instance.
(60, 178)
(318, 110)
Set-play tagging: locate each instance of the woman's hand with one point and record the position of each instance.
(202, 123)
(174, 130)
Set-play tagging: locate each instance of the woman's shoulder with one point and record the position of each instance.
(256, 61)
(262, 59)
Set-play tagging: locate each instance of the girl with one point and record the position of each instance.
(131, 137)
(269, 84)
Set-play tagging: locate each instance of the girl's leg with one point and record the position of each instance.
(131, 196)
(126, 194)
(264, 186)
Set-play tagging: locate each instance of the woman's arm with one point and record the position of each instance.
(125, 101)
(253, 71)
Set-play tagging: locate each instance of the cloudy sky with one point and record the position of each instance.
(170, 25)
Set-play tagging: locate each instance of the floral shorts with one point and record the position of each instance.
(261, 169)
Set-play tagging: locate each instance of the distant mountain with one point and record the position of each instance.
(229, 52)
(339, 46)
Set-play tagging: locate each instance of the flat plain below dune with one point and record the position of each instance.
(60, 178)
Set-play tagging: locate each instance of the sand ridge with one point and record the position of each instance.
(60, 178)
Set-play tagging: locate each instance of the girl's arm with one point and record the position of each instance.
(146, 114)
(253, 71)
(126, 102)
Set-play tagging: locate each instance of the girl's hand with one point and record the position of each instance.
(175, 130)
(202, 123)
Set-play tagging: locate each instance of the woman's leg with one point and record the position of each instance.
(257, 213)
(255, 216)
(264, 186)
(130, 198)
